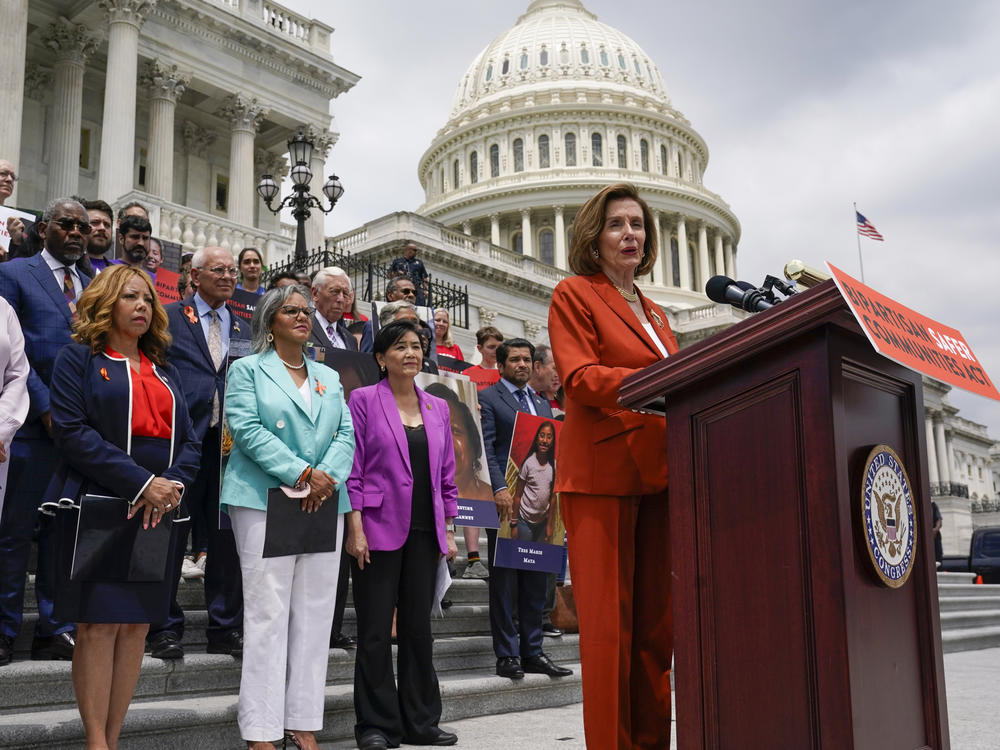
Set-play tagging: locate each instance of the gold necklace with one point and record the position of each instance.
(629, 296)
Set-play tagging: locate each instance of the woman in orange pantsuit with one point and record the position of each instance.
(613, 473)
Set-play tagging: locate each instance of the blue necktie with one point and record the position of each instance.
(522, 399)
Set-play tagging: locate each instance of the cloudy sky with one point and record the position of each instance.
(806, 107)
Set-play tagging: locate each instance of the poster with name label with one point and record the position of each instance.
(532, 537)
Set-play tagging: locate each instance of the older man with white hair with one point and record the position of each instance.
(331, 293)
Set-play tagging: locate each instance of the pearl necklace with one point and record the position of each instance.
(294, 367)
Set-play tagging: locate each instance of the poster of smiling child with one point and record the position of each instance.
(532, 537)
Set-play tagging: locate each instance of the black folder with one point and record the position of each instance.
(292, 531)
(111, 548)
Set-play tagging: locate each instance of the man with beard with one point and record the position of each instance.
(133, 241)
(101, 223)
(43, 291)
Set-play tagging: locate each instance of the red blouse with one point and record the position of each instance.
(152, 402)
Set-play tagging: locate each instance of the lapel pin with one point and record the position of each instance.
(659, 321)
(104, 373)
(320, 388)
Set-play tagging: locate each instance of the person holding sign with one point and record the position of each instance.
(121, 426)
(292, 429)
(403, 500)
(530, 518)
(612, 472)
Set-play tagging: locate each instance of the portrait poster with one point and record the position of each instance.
(171, 253)
(472, 475)
(532, 537)
(237, 348)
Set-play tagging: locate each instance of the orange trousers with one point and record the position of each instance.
(619, 555)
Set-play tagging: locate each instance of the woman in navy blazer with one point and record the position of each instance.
(403, 500)
(121, 428)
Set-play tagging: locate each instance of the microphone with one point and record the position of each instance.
(724, 290)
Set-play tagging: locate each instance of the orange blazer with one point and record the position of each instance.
(597, 342)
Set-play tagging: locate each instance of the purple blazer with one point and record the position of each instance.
(381, 482)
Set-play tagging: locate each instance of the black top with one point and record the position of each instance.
(422, 510)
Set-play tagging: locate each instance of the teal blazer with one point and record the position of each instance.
(275, 437)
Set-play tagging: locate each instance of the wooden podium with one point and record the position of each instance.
(784, 638)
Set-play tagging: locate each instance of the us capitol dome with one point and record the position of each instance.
(555, 108)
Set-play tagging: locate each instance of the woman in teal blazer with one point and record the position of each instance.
(290, 426)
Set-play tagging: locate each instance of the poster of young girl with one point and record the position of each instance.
(532, 537)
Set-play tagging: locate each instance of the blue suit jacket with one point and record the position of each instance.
(189, 354)
(381, 483)
(92, 427)
(275, 437)
(498, 410)
(41, 308)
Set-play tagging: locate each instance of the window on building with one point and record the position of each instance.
(489, 71)
(564, 55)
(474, 167)
(543, 57)
(664, 167)
(518, 155)
(621, 61)
(677, 164)
(494, 160)
(604, 57)
(516, 243)
(524, 61)
(638, 70)
(622, 153)
(505, 68)
(543, 152)
(584, 56)
(546, 247)
(455, 174)
(570, 149)
(596, 150)
(644, 154)
(675, 262)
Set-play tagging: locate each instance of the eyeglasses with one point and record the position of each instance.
(67, 225)
(224, 271)
(293, 311)
(7, 174)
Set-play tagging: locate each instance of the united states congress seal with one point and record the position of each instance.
(890, 531)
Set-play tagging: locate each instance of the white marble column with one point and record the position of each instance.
(13, 46)
(245, 115)
(495, 229)
(197, 189)
(683, 260)
(526, 243)
(720, 262)
(730, 259)
(71, 45)
(932, 469)
(323, 140)
(949, 457)
(941, 444)
(703, 269)
(562, 261)
(125, 17)
(164, 85)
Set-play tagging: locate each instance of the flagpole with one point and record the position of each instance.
(861, 261)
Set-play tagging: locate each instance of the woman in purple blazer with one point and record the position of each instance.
(403, 500)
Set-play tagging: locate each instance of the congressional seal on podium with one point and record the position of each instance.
(890, 531)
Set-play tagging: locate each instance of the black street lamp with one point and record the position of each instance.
(300, 149)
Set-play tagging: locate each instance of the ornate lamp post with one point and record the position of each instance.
(300, 149)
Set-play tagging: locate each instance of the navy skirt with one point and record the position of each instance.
(97, 602)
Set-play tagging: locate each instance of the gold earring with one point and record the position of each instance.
(270, 337)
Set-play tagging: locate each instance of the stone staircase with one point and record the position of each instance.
(970, 614)
(191, 703)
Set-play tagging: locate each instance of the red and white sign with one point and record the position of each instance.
(914, 340)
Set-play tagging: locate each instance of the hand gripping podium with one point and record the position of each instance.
(784, 636)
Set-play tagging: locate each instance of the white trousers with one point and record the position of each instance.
(288, 605)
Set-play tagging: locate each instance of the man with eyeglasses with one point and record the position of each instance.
(15, 226)
(203, 328)
(331, 293)
(43, 291)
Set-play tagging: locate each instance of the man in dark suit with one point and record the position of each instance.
(518, 647)
(43, 291)
(204, 328)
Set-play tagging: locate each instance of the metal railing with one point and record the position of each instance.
(369, 280)
(949, 489)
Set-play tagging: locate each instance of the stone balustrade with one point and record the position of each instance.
(289, 24)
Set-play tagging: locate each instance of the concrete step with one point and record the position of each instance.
(965, 619)
(33, 686)
(965, 603)
(949, 590)
(210, 721)
(971, 639)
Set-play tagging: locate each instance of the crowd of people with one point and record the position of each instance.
(116, 397)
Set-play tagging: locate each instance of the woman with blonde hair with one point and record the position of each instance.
(121, 426)
(442, 333)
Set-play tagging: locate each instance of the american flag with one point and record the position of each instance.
(868, 229)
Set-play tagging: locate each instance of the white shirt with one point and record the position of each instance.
(59, 272)
(656, 339)
(334, 337)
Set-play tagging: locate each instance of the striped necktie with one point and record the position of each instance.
(68, 289)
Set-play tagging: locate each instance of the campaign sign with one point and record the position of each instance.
(243, 303)
(914, 340)
(531, 538)
(165, 282)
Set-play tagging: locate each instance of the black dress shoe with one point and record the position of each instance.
(231, 643)
(551, 631)
(437, 737)
(55, 648)
(166, 645)
(6, 650)
(372, 741)
(510, 666)
(340, 640)
(541, 664)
